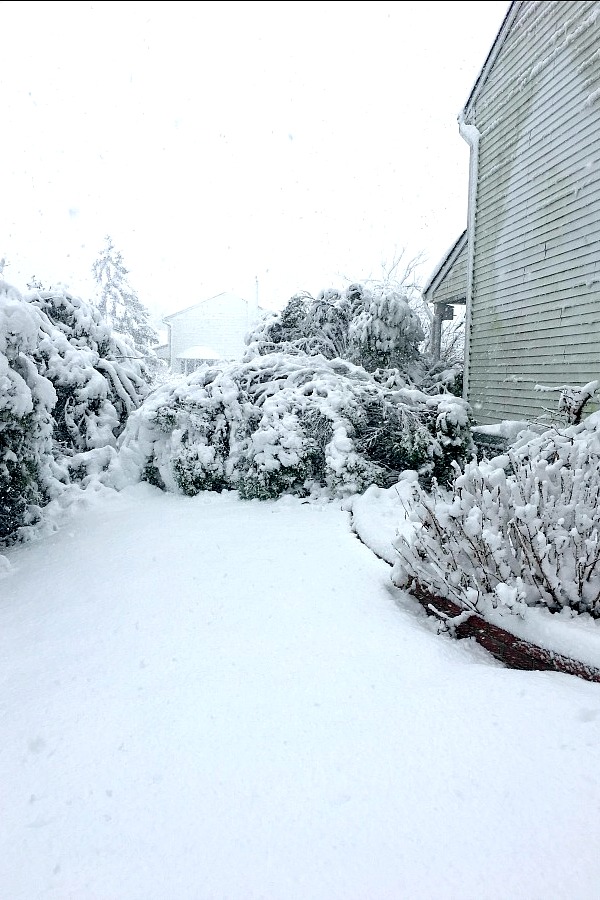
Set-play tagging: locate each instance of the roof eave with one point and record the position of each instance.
(200, 303)
(445, 264)
(492, 56)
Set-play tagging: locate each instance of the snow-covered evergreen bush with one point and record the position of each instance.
(384, 331)
(305, 325)
(282, 423)
(399, 275)
(97, 378)
(67, 385)
(26, 403)
(519, 530)
(399, 434)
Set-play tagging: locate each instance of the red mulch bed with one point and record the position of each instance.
(514, 652)
(508, 649)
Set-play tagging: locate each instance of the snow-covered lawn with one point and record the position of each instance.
(209, 699)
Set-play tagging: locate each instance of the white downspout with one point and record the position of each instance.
(471, 135)
(170, 342)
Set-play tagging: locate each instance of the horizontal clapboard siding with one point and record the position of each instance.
(535, 306)
(515, 402)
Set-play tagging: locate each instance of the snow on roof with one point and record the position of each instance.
(447, 261)
(226, 295)
(509, 18)
(199, 351)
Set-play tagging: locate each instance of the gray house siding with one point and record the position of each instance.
(534, 303)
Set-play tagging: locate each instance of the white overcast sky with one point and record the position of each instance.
(217, 142)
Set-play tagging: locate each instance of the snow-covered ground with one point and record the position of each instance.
(209, 699)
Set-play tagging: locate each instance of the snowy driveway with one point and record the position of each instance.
(204, 699)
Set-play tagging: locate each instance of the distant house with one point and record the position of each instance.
(162, 351)
(528, 266)
(209, 331)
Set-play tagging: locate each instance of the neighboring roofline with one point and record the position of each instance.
(492, 55)
(445, 264)
(201, 302)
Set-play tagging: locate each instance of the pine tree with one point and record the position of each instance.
(119, 304)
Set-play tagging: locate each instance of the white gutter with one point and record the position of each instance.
(471, 136)
(170, 343)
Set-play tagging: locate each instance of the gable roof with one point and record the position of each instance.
(445, 264)
(223, 296)
(481, 79)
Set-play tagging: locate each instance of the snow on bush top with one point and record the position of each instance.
(517, 531)
(20, 326)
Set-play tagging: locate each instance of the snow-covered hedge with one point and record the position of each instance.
(67, 385)
(284, 423)
(519, 530)
(26, 403)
